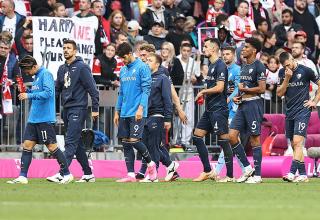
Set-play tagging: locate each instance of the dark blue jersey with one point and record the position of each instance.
(251, 74)
(217, 72)
(298, 90)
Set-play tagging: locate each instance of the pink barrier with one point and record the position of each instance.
(271, 167)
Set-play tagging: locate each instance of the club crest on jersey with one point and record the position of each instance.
(212, 70)
(250, 70)
(299, 76)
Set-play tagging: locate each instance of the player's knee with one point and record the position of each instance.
(52, 147)
(255, 141)
(28, 145)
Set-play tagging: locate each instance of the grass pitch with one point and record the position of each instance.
(182, 199)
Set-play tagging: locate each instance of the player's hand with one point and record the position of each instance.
(183, 117)
(241, 87)
(288, 73)
(94, 115)
(23, 96)
(167, 125)
(139, 113)
(201, 93)
(116, 118)
(309, 104)
(237, 99)
(193, 79)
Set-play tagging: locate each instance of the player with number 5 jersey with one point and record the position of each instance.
(294, 83)
(250, 111)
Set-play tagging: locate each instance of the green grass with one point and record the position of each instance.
(183, 199)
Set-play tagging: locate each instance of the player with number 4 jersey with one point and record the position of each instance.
(294, 82)
(215, 117)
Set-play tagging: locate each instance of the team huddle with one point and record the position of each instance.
(144, 112)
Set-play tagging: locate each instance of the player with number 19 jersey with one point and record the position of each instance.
(297, 116)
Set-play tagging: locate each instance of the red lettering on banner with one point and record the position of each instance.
(82, 33)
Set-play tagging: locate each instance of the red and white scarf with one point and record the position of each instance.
(6, 93)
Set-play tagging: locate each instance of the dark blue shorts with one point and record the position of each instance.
(248, 117)
(216, 122)
(130, 128)
(42, 133)
(297, 126)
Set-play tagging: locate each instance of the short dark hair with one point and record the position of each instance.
(213, 40)
(261, 20)
(185, 45)
(287, 11)
(243, 1)
(27, 62)
(273, 57)
(124, 49)
(232, 49)
(301, 43)
(220, 18)
(96, 1)
(283, 57)
(29, 36)
(68, 41)
(254, 42)
(120, 33)
(158, 57)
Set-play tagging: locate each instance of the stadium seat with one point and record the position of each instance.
(278, 126)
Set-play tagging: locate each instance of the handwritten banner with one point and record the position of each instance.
(49, 34)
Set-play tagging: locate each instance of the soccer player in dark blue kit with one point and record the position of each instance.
(159, 109)
(294, 83)
(74, 82)
(42, 116)
(215, 117)
(250, 111)
(132, 110)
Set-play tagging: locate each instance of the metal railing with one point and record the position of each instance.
(12, 126)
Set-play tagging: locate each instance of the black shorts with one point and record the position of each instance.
(42, 133)
(248, 117)
(297, 126)
(216, 122)
(130, 128)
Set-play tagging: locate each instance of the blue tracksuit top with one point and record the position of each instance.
(135, 86)
(42, 97)
(234, 76)
(160, 100)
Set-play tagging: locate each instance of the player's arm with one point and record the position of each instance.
(48, 89)
(260, 89)
(314, 78)
(145, 76)
(167, 100)
(91, 87)
(219, 87)
(284, 82)
(235, 92)
(119, 102)
(177, 104)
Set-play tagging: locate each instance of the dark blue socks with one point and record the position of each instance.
(25, 162)
(257, 159)
(238, 150)
(129, 156)
(203, 153)
(228, 156)
(58, 154)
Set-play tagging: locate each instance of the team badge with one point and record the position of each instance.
(299, 76)
(250, 70)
